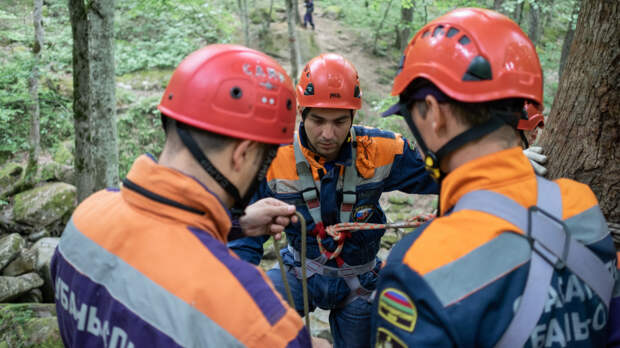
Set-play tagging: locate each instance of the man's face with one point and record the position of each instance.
(327, 130)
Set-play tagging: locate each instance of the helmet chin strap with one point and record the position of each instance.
(240, 203)
(433, 160)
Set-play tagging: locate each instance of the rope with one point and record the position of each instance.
(338, 232)
(304, 280)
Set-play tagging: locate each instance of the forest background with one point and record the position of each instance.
(153, 36)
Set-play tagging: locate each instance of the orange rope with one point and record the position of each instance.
(339, 231)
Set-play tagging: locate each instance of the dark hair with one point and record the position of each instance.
(470, 114)
(205, 139)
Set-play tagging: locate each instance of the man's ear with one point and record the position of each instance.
(436, 113)
(244, 151)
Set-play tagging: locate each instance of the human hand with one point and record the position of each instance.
(534, 154)
(267, 216)
(318, 342)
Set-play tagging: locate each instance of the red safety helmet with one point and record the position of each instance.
(234, 91)
(329, 81)
(473, 55)
(534, 119)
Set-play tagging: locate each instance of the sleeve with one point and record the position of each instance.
(409, 175)
(249, 249)
(406, 312)
(614, 312)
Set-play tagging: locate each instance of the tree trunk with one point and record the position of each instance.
(406, 17)
(297, 15)
(582, 135)
(292, 38)
(534, 24)
(497, 5)
(387, 10)
(94, 104)
(518, 13)
(245, 21)
(568, 39)
(33, 84)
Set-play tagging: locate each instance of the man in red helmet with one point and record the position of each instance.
(336, 172)
(147, 265)
(512, 260)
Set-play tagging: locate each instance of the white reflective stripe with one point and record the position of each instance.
(188, 327)
(553, 246)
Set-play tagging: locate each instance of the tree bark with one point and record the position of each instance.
(583, 130)
(292, 38)
(406, 17)
(94, 102)
(33, 84)
(297, 15)
(568, 39)
(245, 21)
(497, 5)
(518, 12)
(387, 10)
(534, 24)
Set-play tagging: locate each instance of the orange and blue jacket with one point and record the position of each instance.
(456, 281)
(384, 162)
(147, 266)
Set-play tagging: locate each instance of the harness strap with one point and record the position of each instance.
(317, 266)
(310, 193)
(553, 249)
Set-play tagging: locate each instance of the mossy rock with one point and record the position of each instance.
(12, 177)
(398, 199)
(44, 205)
(146, 80)
(10, 247)
(308, 46)
(333, 12)
(29, 325)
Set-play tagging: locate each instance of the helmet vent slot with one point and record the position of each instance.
(464, 40)
(309, 89)
(452, 32)
(426, 33)
(438, 31)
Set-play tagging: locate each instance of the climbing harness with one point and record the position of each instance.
(553, 248)
(349, 273)
(310, 195)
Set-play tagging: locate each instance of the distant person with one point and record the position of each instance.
(147, 265)
(308, 16)
(513, 259)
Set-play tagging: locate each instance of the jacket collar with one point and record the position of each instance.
(179, 187)
(489, 172)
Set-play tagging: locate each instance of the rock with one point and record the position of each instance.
(45, 248)
(29, 325)
(46, 204)
(11, 287)
(32, 296)
(333, 12)
(24, 263)
(398, 199)
(383, 254)
(389, 238)
(35, 236)
(10, 246)
(12, 176)
(319, 324)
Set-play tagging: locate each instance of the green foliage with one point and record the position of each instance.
(139, 132)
